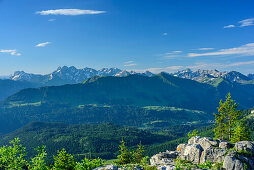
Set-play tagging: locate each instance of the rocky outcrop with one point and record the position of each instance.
(192, 153)
(232, 163)
(225, 145)
(107, 167)
(246, 146)
(164, 158)
(199, 150)
(213, 155)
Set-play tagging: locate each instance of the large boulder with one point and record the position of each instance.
(194, 140)
(107, 167)
(224, 145)
(247, 160)
(205, 142)
(246, 146)
(180, 147)
(164, 158)
(213, 154)
(192, 153)
(232, 163)
(166, 167)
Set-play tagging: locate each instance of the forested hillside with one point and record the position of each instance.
(145, 117)
(137, 90)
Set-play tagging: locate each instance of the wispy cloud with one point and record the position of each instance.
(177, 51)
(51, 20)
(165, 34)
(204, 49)
(69, 12)
(229, 26)
(247, 49)
(243, 23)
(132, 64)
(241, 63)
(246, 22)
(129, 63)
(172, 54)
(11, 52)
(43, 44)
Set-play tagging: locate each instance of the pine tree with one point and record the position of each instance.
(241, 132)
(125, 156)
(229, 123)
(139, 154)
(226, 118)
(220, 117)
(232, 114)
(64, 161)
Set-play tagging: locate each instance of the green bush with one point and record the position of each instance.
(193, 133)
(206, 165)
(12, 157)
(38, 162)
(87, 164)
(64, 161)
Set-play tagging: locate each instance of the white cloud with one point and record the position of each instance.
(203, 49)
(51, 20)
(132, 64)
(246, 22)
(177, 51)
(229, 26)
(173, 52)
(247, 50)
(241, 63)
(69, 12)
(165, 34)
(128, 62)
(43, 44)
(11, 52)
(243, 23)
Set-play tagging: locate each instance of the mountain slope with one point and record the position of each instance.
(98, 140)
(160, 90)
(10, 87)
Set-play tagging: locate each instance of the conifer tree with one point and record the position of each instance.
(220, 117)
(139, 154)
(64, 161)
(226, 118)
(241, 132)
(125, 157)
(229, 123)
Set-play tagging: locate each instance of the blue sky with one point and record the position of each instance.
(37, 36)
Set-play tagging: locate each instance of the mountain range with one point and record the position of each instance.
(72, 75)
(205, 75)
(138, 90)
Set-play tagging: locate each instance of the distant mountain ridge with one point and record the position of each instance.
(72, 75)
(200, 75)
